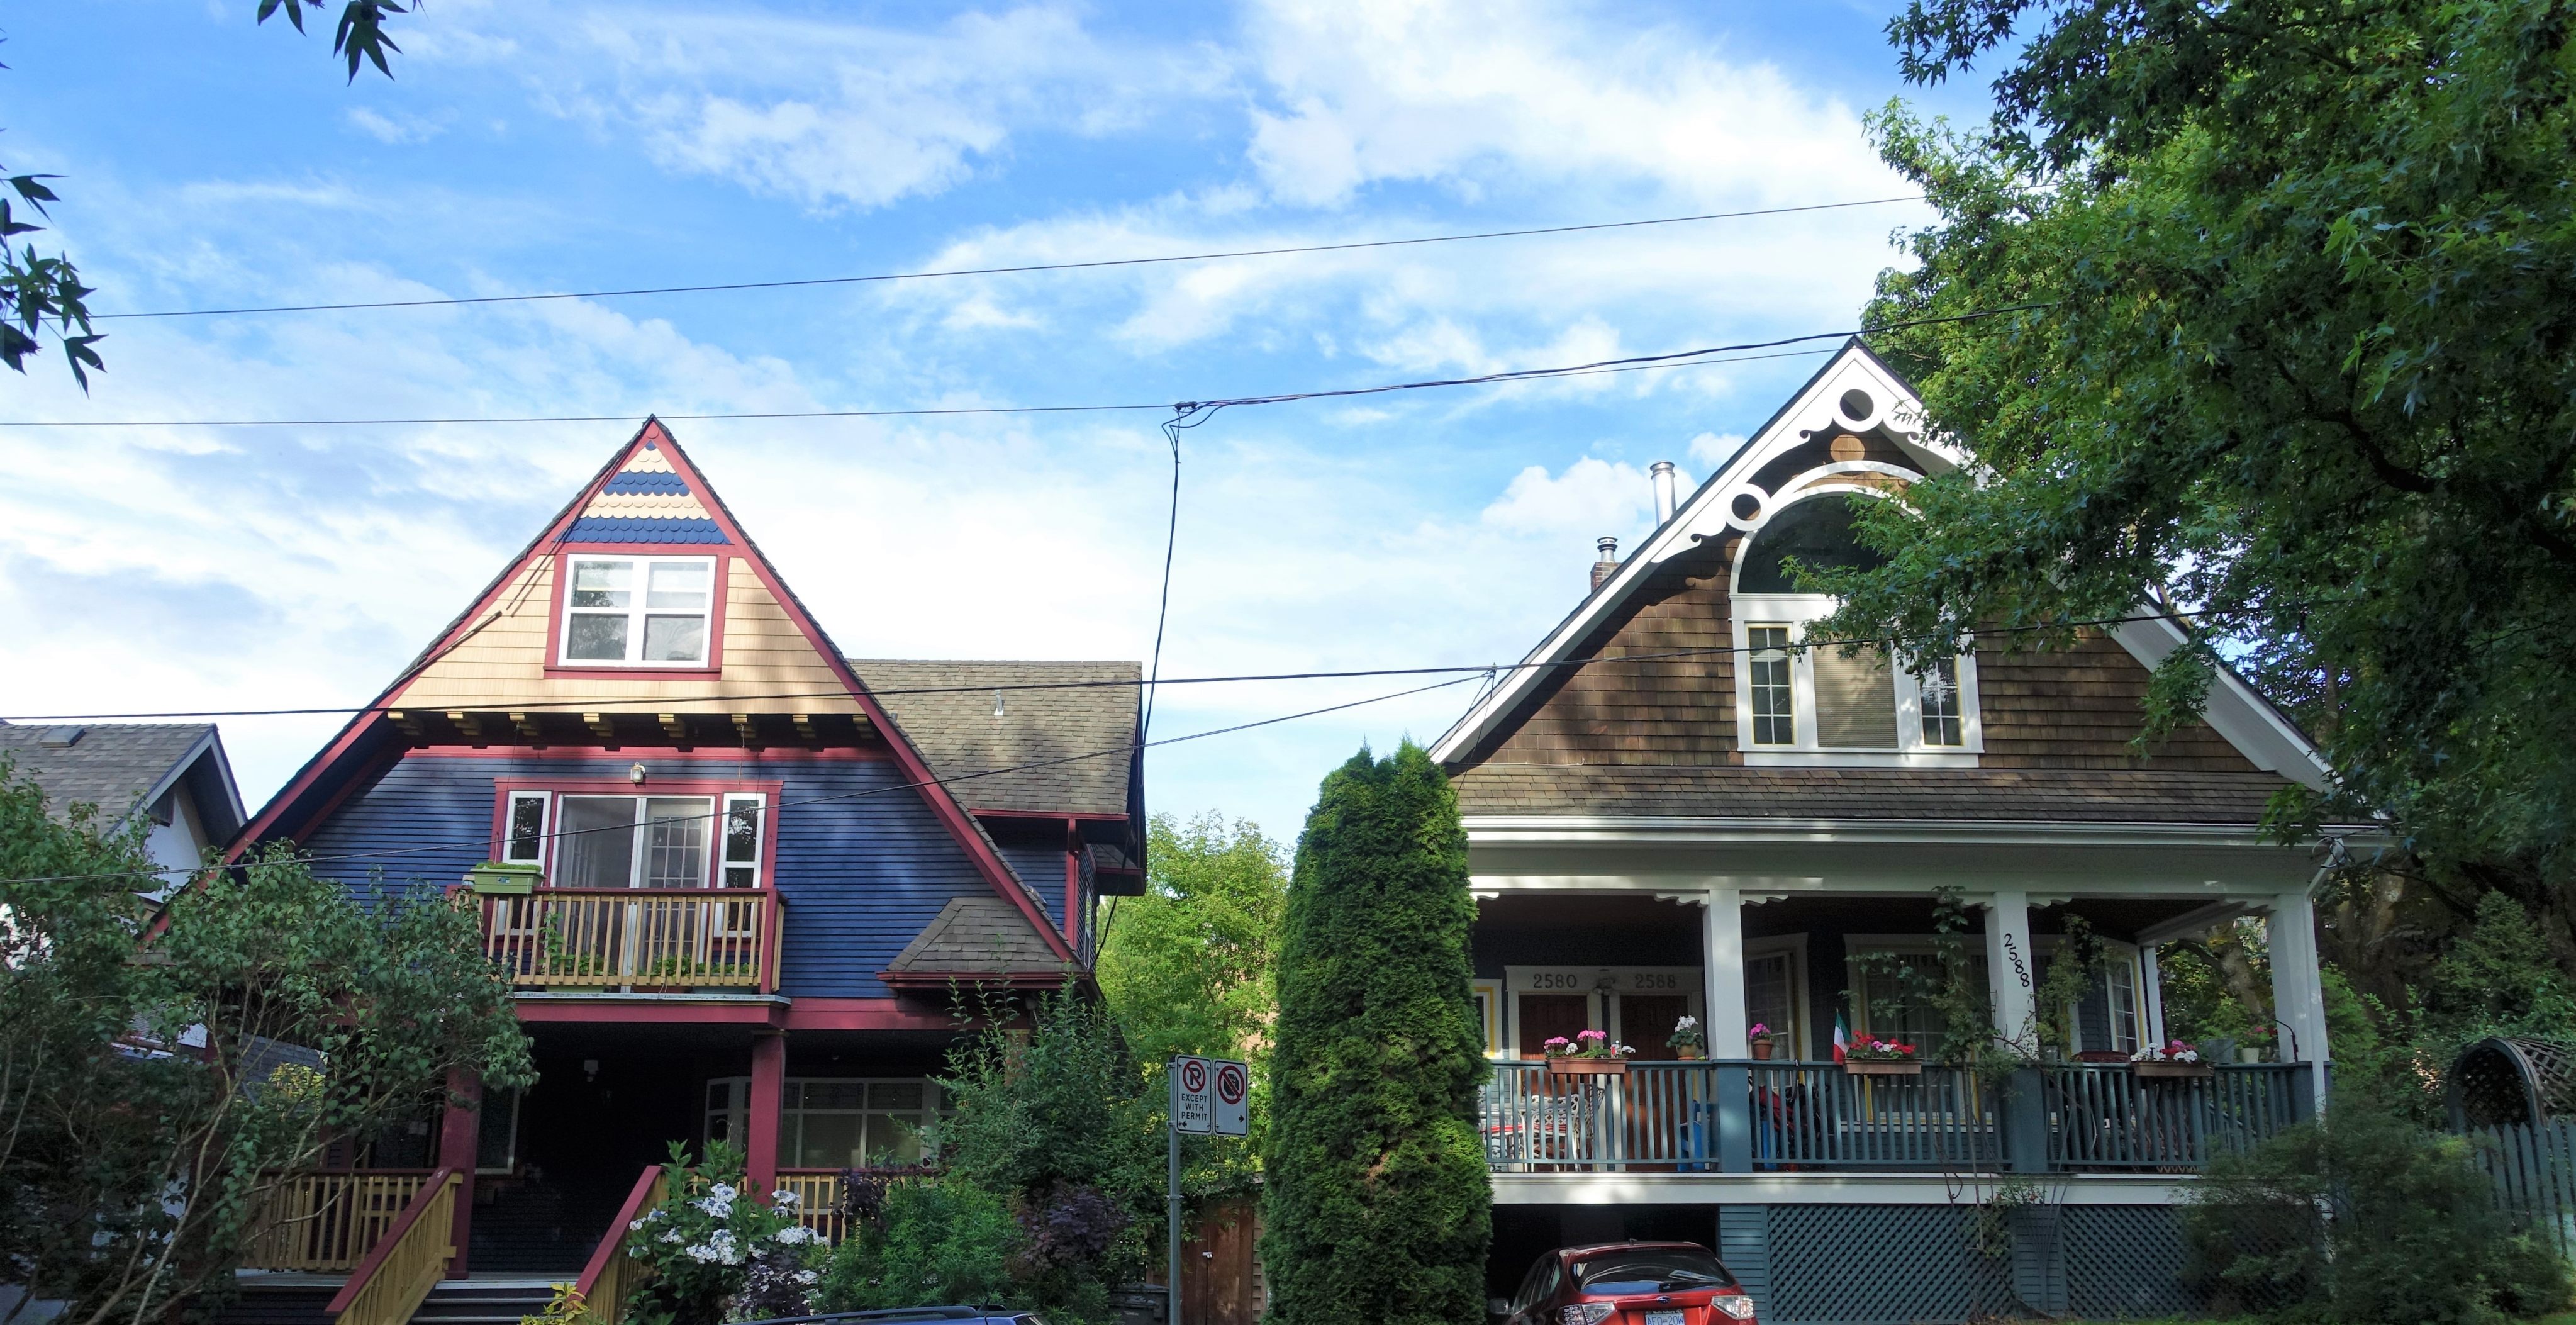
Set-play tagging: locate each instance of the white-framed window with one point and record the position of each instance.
(525, 840)
(1487, 998)
(1893, 982)
(1797, 703)
(637, 611)
(833, 1123)
(744, 813)
(633, 841)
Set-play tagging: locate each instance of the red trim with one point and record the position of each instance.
(761, 1108)
(731, 754)
(384, 1247)
(716, 586)
(942, 805)
(746, 1013)
(1073, 882)
(502, 787)
(865, 1014)
(614, 1240)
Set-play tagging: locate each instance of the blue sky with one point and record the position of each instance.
(548, 146)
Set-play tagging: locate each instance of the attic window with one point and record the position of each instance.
(637, 611)
(61, 738)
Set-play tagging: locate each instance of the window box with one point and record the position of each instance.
(509, 878)
(1882, 1067)
(1588, 1067)
(2170, 1069)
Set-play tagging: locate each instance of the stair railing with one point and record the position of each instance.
(406, 1262)
(612, 1277)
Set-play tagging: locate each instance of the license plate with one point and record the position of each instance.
(1663, 1318)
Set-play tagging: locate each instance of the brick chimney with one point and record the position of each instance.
(1608, 565)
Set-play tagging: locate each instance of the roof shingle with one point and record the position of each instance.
(111, 766)
(971, 723)
(976, 936)
(1739, 792)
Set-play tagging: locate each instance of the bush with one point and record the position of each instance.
(1378, 1207)
(931, 1244)
(705, 1240)
(2362, 1218)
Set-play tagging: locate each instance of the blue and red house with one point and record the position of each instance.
(747, 886)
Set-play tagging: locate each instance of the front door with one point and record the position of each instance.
(1545, 1017)
(1646, 1022)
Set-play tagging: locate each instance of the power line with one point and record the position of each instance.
(1008, 271)
(485, 839)
(1632, 363)
(1458, 669)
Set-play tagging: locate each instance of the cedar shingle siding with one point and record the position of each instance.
(1659, 738)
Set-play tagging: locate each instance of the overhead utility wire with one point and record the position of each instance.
(485, 839)
(1008, 271)
(1477, 669)
(1181, 410)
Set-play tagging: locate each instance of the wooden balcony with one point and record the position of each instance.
(636, 940)
(1778, 1117)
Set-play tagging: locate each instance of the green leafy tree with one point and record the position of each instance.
(2296, 293)
(1189, 968)
(1377, 1204)
(158, 1083)
(930, 1244)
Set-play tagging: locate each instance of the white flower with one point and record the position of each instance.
(723, 1192)
(783, 1196)
(809, 1277)
(1687, 1023)
(796, 1233)
(636, 1227)
(672, 1236)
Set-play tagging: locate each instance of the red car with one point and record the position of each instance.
(1629, 1283)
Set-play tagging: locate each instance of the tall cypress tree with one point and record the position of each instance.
(1378, 1208)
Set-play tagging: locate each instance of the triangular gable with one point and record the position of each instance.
(648, 496)
(1729, 503)
(975, 940)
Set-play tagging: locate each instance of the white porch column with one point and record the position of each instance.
(2298, 996)
(2151, 999)
(1722, 973)
(2008, 964)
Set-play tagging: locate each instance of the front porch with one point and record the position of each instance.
(1792, 1118)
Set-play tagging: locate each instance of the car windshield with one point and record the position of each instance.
(1650, 1270)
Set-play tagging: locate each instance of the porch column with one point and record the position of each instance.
(2008, 978)
(2298, 996)
(2151, 999)
(460, 1136)
(760, 1121)
(1722, 974)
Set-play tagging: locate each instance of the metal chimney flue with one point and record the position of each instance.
(1667, 491)
(1608, 564)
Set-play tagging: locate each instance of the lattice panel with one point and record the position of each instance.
(1874, 1264)
(2124, 1261)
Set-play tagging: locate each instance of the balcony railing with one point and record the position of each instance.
(326, 1223)
(637, 939)
(1799, 1117)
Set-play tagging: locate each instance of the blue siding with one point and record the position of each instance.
(861, 873)
(1042, 868)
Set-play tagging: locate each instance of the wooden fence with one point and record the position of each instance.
(2534, 1168)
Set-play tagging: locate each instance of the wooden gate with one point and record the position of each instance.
(2534, 1168)
(1221, 1281)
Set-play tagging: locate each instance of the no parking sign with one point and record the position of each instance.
(1210, 1095)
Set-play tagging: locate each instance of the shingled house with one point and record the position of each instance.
(1683, 812)
(739, 878)
(172, 776)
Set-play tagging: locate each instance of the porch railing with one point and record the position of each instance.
(612, 1277)
(1791, 1117)
(2109, 1118)
(635, 938)
(818, 1199)
(395, 1278)
(325, 1223)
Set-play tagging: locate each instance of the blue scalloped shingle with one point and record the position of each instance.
(641, 529)
(647, 482)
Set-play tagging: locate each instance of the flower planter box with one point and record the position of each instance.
(1761, 1049)
(1588, 1067)
(2170, 1069)
(1689, 1055)
(506, 879)
(1882, 1067)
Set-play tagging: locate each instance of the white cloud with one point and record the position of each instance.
(1591, 496)
(385, 129)
(1712, 449)
(1471, 94)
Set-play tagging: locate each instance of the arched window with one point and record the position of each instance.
(1797, 703)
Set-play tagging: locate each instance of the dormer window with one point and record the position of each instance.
(637, 611)
(1823, 704)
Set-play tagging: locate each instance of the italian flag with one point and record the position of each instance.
(1842, 1036)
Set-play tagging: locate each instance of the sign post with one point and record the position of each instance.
(1210, 1097)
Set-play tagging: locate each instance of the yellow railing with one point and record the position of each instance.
(325, 1223)
(818, 1199)
(391, 1283)
(679, 938)
(612, 1276)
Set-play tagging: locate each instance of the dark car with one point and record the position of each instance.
(1629, 1283)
